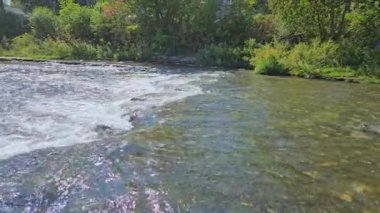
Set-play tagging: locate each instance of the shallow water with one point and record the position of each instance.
(199, 141)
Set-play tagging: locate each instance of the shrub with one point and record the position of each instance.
(76, 21)
(268, 59)
(138, 51)
(28, 46)
(366, 60)
(306, 58)
(43, 23)
(24, 45)
(105, 51)
(221, 55)
(83, 50)
(271, 66)
(264, 27)
(249, 48)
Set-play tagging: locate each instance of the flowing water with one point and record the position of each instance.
(139, 138)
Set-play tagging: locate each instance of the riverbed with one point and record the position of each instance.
(145, 138)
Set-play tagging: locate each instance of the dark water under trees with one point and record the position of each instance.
(198, 141)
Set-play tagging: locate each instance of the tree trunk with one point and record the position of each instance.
(342, 23)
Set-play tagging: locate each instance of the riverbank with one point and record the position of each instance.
(190, 61)
(173, 61)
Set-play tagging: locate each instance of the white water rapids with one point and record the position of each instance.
(53, 105)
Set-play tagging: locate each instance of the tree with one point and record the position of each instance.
(43, 23)
(313, 18)
(113, 23)
(75, 20)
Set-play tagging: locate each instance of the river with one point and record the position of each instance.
(144, 138)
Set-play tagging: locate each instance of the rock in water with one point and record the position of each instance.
(133, 116)
(103, 129)
(373, 129)
(137, 99)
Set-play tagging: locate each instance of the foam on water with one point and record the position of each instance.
(54, 105)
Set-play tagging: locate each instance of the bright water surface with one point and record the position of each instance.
(200, 141)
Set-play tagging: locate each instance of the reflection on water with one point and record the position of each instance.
(248, 144)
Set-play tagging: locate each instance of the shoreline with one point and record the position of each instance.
(170, 61)
(180, 61)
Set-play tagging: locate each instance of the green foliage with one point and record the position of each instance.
(76, 21)
(268, 59)
(312, 18)
(114, 24)
(221, 55)
(336, 72)
(28, 46)
(236, 22)
(363, 23)
(264, 27)
(270, 66)
(360, 48)
(82, 50)
(43, 23)
(311, 60)
(362, 58)
(308, 38)
(306, 58)
(249, 48)
(226, 55)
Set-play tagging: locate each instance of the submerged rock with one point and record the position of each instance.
(138, 99)
(372, 129)
(103, 129)
(133, 116)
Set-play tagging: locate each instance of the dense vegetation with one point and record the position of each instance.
(308, 38)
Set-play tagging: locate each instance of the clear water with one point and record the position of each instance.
(201, 141)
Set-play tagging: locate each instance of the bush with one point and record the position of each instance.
(271, 66)
(364, 59)
(55, 49)
(306, 58)
(268, 59)
(24, 45)
(221, 55)
(138, 51)
(264, 27)
(76, 21)
(28, 46)
(43, 23)
(83, 50)
(312, 60)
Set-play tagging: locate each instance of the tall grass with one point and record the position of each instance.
(28, 46)
(315, 59)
